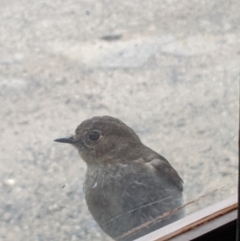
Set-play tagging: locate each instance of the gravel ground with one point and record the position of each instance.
(169, 69)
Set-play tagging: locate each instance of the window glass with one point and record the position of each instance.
(168, 69)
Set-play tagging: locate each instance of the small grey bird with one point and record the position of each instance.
(127, 184)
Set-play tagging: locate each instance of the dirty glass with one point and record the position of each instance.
(168, 69)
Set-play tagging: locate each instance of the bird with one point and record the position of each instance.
(129, 188)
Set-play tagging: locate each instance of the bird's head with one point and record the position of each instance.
(104, 139)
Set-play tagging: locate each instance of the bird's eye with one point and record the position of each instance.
(94, 136)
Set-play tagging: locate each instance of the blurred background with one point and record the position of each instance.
(168, 69)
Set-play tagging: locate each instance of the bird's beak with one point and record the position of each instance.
(68, 139)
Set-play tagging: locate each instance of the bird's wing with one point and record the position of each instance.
(165, 169)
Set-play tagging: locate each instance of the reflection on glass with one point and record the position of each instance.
(169, 71)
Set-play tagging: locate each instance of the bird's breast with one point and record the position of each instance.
(126, 195)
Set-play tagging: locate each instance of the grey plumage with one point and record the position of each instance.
(127, 184)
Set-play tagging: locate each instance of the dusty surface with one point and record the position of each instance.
(169, 69)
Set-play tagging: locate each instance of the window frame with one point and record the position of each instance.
(197, 224)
